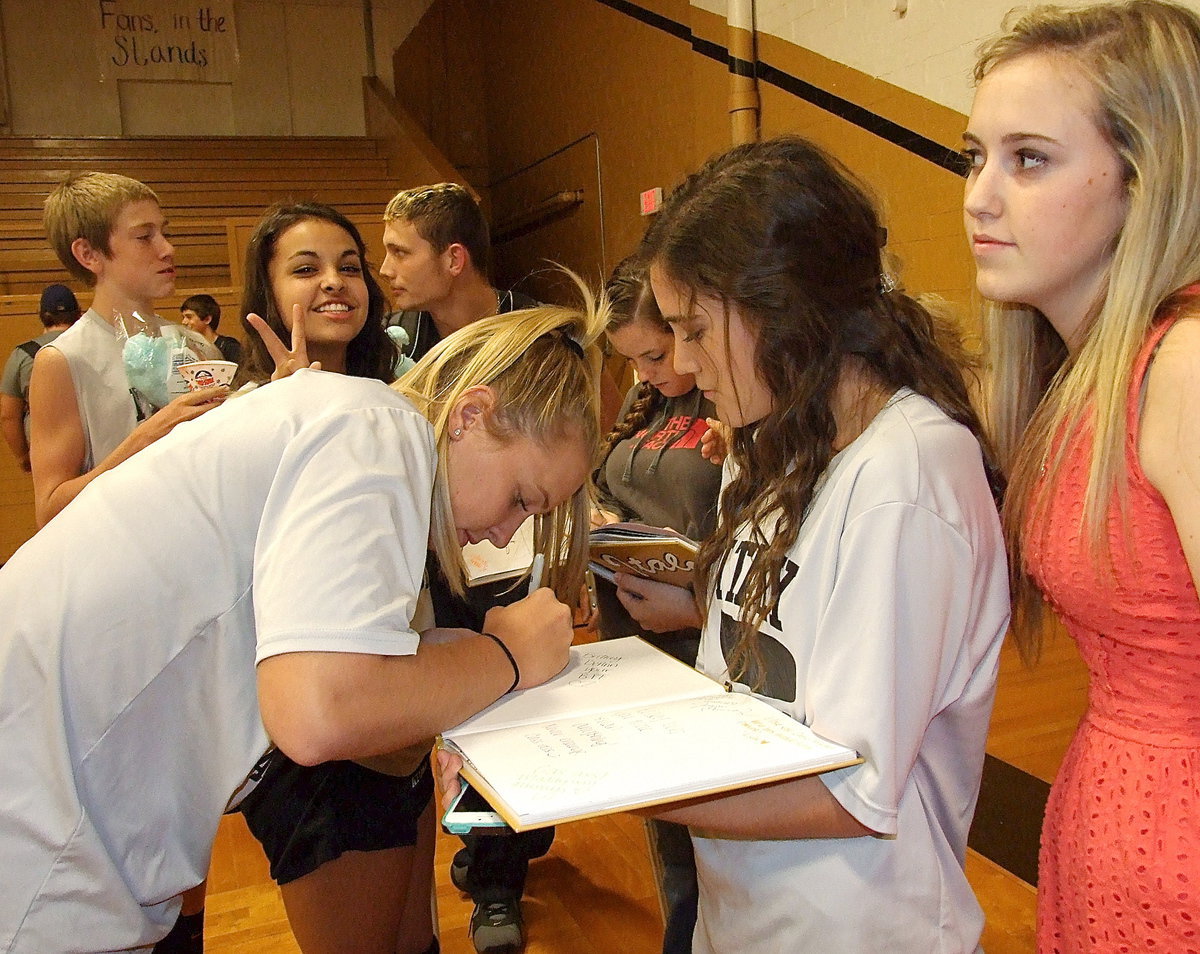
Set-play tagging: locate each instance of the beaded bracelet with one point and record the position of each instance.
(515, 668)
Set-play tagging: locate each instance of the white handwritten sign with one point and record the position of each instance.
(192, 40)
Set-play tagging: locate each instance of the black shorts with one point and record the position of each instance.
(305, 816)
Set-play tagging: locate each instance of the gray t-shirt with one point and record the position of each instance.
(14, 382)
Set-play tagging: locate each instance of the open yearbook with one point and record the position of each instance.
(649, 552)
(625, 726)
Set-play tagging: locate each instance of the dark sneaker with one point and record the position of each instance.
(458, 869)
(496, 927)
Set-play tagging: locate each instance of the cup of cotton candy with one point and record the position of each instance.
(153, 353)
(208, 374)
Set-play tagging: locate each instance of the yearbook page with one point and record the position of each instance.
(627, 726)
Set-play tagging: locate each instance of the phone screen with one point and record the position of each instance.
(472, 812)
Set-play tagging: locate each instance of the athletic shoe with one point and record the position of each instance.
(496, 927)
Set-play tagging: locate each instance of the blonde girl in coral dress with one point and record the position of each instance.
(1083, 213)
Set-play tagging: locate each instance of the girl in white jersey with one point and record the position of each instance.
(137, 694)
(856, 577)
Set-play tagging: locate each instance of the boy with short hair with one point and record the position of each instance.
(436, 243)
(59, 310)
(108, 231)
(201, 314)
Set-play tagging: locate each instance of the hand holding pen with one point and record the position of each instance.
(536, 569)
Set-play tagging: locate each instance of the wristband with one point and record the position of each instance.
(515, 668)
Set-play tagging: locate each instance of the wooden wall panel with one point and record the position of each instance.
(559, 70)
(575, 233)
(562, 70)
(439, 74)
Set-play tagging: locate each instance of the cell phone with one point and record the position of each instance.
(471, 812)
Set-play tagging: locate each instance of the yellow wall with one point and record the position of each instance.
(922, 202)
(574, 84)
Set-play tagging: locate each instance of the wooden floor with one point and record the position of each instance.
(593, 893)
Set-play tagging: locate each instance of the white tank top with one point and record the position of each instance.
(106, 409)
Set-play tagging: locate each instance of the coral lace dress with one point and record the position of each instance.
(1120, 852)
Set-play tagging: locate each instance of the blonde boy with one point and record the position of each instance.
(108, 231)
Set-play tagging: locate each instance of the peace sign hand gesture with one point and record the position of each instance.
(286, 361)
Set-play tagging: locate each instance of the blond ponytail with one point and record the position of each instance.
(544, 368)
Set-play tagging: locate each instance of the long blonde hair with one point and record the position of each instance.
(1142, 58)
(543, 366)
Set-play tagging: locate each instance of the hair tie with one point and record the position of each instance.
(565, 337)
(573, 344)
(507, 652)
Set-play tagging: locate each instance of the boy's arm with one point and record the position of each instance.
(57, 445)
(12, 422)
(56, 437)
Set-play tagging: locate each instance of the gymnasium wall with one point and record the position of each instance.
(298, 70)
(558, 112)
(611, 98)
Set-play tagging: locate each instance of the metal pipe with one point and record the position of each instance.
(743, 83)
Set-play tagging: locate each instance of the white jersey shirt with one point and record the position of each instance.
(293, 519)
(892, 607)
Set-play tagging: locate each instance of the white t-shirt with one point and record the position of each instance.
(292, 519)
(886, 638)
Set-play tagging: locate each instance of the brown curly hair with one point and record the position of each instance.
(782, 232)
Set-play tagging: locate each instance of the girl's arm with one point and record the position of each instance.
(911, 625)
(659, 607)
(1169, 442)
(57, 442)
(339, 556)
(801, 808)
(318, 706)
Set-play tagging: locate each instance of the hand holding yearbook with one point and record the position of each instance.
(649, 552)
(626, 726)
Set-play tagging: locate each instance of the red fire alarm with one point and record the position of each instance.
(651, 200)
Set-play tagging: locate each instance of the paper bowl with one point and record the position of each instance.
(208, 374)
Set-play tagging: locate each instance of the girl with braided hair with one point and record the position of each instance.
(660, 467)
